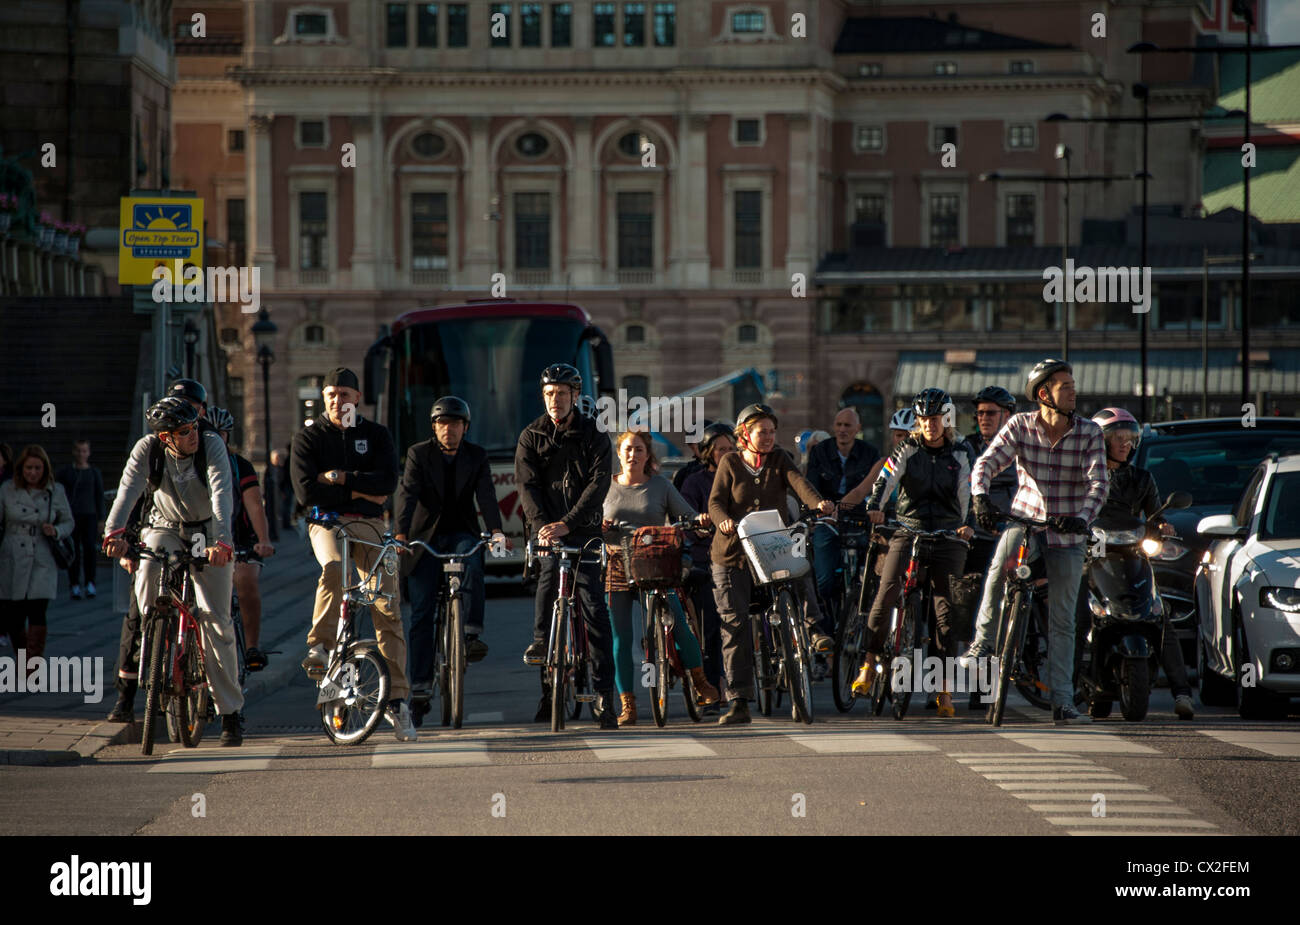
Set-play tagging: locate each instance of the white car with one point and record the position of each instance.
(1247, 592)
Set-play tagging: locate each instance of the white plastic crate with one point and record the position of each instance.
(770, 547)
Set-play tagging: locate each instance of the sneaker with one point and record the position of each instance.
(544, 710)
(76, 592)
(976, 651)
(90, 589)
(232, 729)
(398, 715)
(535, 654)
(123, 710)
(1183, 706)
(1069, 716)
(315, 659)
(475, 649)
(819, 668)
(822, 643)
(738, 714)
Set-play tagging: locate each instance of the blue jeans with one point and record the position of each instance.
(625, 636)
(423, 584)
(826, 559)
(1064, 568)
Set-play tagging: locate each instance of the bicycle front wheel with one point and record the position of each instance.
(794, 655)
(658, 640)
(848, 656)
(364, 683)
(1015, 607)
(906, 645)
(188, 711)
(456, 661)
(158, 655)
(688, 686)
(764, 665)
(558, 667)
(442, 662)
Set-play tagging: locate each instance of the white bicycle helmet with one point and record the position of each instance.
(903, 419)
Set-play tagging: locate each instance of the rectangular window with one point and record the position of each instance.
(945, 210)
(747, 21)
(530, 25)
(311, 134)
(870, 69)
(944, 135)
(236, 230)
(665, 25)
(428, 231)
(868, 221)
(1022, 67)
(1020, 220)
(633, 25)
(945, 68)
(561, 25)
(310, 24)
(500, 34)
(749, 229)
(457, 25)
(426, 25)
(396, 22)
(747, 131)
(870, 138)
(1020, 136)
(313, 231)
(532, 231)
(235, 140)
(636, 222)
(602, 30)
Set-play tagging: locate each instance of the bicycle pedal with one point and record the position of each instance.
(584, 698)
(316, 674)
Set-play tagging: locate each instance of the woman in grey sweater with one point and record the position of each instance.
(638, 497)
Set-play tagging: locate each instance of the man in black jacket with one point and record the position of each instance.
(834, 467)
(346, 465)
(563, 467)
(435, 504)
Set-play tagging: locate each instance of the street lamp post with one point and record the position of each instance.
(264, 330)
(191, 338)
(1063, 154)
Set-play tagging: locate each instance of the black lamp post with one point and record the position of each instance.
(264, 335)
(191, 338)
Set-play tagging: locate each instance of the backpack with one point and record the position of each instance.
(158, 462)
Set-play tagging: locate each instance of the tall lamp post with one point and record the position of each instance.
(191, 338)
(1063, 154)
(264, 336)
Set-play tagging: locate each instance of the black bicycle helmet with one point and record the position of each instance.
(930, 402)
(998, 396)
(221, 419)
(756, 410)
(190, 389)
(451, 407)
(1042, 371)
(711, 435)
(170, 413)
(562, 374)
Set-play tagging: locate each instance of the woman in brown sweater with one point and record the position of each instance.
(756, 478)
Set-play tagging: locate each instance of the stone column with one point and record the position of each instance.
(692, 200)
(801, 195)
(584, 215)
(257, 160)
(364, 206)
(480, 260)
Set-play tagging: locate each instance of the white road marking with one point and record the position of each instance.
(1023, 785)
(1278, 743)
(1095, 741)
(1098, 775)
(1108, 822)
(860, 743)
(1110, 811)
(431, 753)
(644, 747)
(1086, 797)
(217, 760)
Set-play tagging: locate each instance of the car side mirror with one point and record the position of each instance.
(1178, 500)
(1221, 525)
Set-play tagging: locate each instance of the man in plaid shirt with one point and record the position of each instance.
(1062, 464)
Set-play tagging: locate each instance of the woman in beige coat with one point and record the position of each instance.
(33, 507)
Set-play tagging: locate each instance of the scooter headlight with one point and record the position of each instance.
(1170, 550)
(1152, 547)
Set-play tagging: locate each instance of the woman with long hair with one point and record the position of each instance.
(34, 509)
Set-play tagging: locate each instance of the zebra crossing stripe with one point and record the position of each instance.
(431, 753)
(1278, 743)
(217, 760)
(860, 743)
(647, 747)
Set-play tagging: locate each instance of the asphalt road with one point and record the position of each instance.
(845, 774)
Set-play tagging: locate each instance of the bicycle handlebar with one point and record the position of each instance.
(180, 557)
(539, 550)
(484, 539)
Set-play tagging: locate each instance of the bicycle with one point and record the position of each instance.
(176, 681)
(909, 618)
(1013, 621)
(851, 635)
(657, 578)
(568, 656)
(778, 567)
(449, 629)
(354, 685)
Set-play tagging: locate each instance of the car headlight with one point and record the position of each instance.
(1152, 546)
(1169, 551)
(1286, 599)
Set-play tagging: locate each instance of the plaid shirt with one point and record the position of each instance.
(1065, 480)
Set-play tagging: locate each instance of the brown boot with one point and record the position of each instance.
(705, 693)
(628, 716)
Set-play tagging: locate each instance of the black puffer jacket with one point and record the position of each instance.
(563, 474)
(1133, 496)
(933, 484)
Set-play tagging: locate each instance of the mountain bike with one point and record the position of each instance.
(354, 685)
(449, 606)
(567, 668)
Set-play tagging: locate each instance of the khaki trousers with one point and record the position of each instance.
(328, 546)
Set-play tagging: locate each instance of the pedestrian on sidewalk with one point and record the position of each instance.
(33, 509)
(84, 485)
(6, 463)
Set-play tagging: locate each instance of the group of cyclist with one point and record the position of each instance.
(1046, 464)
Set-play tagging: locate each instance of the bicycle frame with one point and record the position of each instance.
(566, 646)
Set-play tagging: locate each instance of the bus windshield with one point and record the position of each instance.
(494, 363)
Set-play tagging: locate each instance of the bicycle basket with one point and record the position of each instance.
(653, 556)
(776, 552)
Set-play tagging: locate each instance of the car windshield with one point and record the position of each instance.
(1212, 468)
(1281, 509)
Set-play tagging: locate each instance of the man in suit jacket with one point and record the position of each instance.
(834, 467)
(435, 503)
